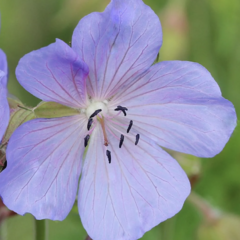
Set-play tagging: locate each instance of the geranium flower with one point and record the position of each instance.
(127, 108)
(4, 107)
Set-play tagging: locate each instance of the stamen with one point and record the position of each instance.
(130, 126)
(86, 139)
(108, 153)
(101, 120)
(95, 113)
(137, 139)
(90, 121)
(121, 141)
(123, 109)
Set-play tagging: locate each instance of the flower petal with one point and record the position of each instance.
(3, 67)
(179, 105)
(142, 187)
(4, 107)
(117, 45)
(54, 73)
(44, 164)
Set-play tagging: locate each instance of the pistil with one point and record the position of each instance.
(101, 120)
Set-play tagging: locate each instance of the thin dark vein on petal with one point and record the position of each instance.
(60, 168)
(129, 185)
(163, 180)
(75, 84)
(43, 161)
(50, 97)
(96, 49)
(126, 53)
(159, 163)
(136, 160)
(78, 149)
(125, 93)
(63, 88)
(106, 170)
(124, 56)
(68, 126)
(119, 81)
(94, 182)
(86, 198)
(157, 89)
(169, 120)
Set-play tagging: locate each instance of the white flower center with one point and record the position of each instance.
(93, 106)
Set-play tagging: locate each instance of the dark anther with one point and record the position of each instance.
(123, 109)
(95, 113)
(130, 126)
(86, 139)
(108, 153)
(89, 124)
(121, 141)
(137, 139)
(5, 165)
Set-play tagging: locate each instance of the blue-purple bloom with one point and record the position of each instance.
(128, 185)
(4, 107)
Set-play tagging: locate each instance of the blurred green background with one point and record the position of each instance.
(204, 31)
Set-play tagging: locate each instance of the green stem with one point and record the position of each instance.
(167, 229)
(209, 213)
(25, 108)
(41, 229)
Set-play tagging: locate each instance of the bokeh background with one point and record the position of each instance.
(204, 31)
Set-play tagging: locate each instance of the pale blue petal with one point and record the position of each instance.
(54, 73)
(180, 106)
(44, 164)
(3, 67)
(4, 107)
(117, 45)
(142, 187)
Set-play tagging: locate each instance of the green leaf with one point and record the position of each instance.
(53, 110)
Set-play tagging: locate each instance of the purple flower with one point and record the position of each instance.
(4, 107)
(128, 183)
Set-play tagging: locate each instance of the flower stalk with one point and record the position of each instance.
(41, 229)
(209, 213)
